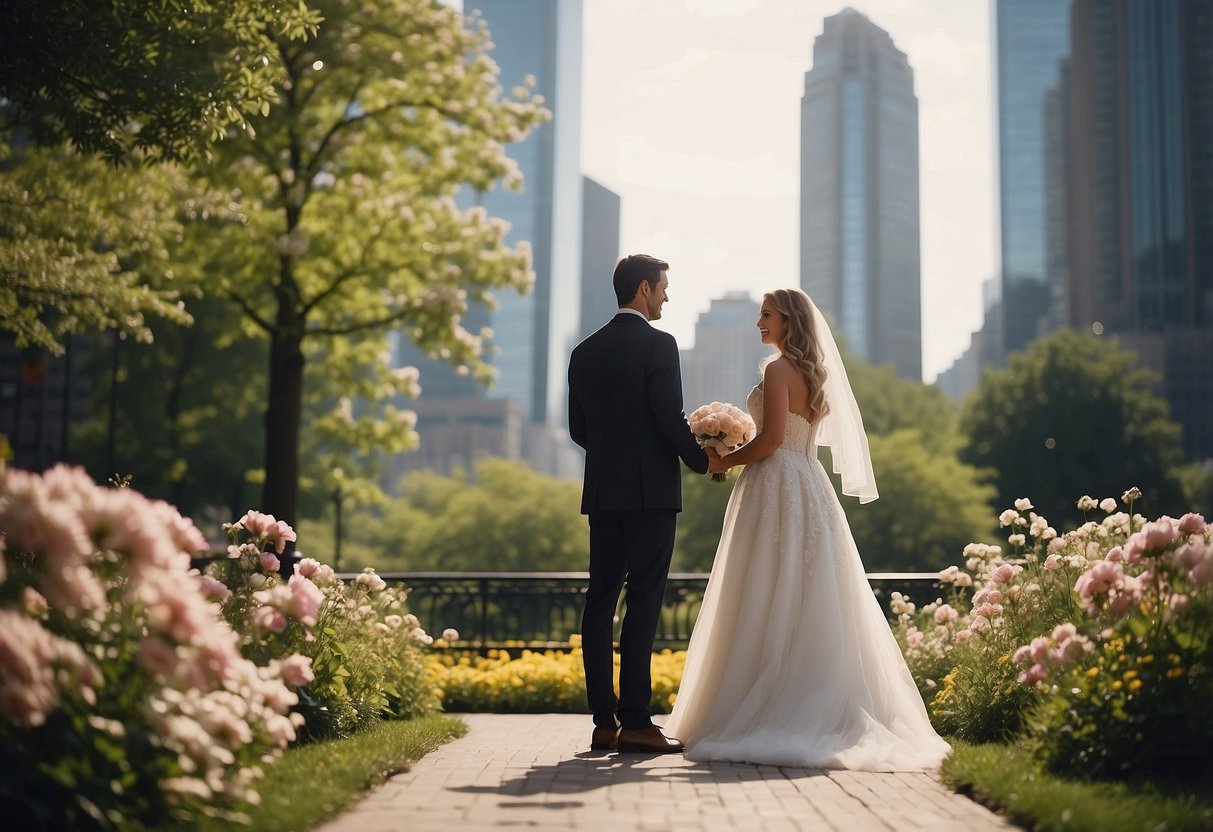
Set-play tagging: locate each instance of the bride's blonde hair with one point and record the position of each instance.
(800, 343)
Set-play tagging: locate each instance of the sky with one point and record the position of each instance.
(691, 113)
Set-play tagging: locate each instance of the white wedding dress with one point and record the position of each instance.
(792, 662)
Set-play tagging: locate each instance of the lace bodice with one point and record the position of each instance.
(799, 435)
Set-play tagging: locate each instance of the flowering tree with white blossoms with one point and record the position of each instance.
(124, 697)
(337, 222)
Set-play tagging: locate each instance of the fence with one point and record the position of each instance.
(541, 609)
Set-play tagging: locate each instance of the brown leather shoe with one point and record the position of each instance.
(604, 739)
(647, 741)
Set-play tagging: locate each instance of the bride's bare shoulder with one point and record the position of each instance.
(779, 370)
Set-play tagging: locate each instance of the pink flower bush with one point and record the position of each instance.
(111, 627)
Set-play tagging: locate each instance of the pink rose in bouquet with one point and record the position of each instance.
(722, 426)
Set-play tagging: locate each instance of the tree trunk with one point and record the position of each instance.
(282, 417)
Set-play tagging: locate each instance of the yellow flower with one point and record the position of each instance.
(1135, 685)
(1117, 685)
(1147, 659)
(1130, 675)
(1092, 673)
(1175, 673)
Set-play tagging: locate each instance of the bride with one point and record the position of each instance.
(792, 661)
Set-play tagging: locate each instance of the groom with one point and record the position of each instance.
(625, 409)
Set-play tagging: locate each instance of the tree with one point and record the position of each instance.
(502, 518)
(83, 247)
(889, 403)
(339, 220)
(1073, 415)
(931, 506)
(185, 425)
(701, 520)
(165, 79)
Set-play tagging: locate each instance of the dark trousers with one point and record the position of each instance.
(631, 546)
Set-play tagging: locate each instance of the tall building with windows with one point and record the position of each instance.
(723, 366)
(859, 215)
(532, 334)
(1031, 37)
(599, 254)
(1140, 165)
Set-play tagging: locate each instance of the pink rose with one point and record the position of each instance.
(1191, 524)
(913, 638)
(214, 588)
(1115, 554)
(306, 598)
(268, 618)
(297, 670)
(1160, 534)
(1052, 562)
(269, 563)
(1005, 572)
(1057, 544)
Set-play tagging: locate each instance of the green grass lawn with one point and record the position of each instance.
(316, 781)
(1008, 779)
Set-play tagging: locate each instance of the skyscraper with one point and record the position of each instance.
(1031, 38)
(534, 333)
(1140, 163)
(723, 366)
(599, 254)
(859, 218)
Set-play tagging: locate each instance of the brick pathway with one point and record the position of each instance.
(534, 771)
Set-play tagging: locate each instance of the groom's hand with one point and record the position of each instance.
(716, 464)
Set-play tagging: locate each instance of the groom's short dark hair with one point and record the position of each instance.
(631, 270)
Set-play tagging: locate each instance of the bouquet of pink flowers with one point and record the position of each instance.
(722, 426)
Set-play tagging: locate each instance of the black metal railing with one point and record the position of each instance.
(500, 609)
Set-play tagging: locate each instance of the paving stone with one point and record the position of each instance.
(535, 771)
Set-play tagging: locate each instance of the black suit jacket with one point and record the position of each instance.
(625, 409)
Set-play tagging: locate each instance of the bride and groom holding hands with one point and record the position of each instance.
(791, 661)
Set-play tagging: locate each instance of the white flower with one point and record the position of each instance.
(1023, 504)
(450, 634)
(1016, 540)
(1008, 517)
(1107, 505)
(1086, 503)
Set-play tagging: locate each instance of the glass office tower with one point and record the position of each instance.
(859, 215)
(1031, 37)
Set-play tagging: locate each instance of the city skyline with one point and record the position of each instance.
(706, 160)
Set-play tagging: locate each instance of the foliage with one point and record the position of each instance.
(889, 404)
(503, 517)
(309, 783)
(1009, 778)
(167, 79)
(83, 247)
(931, 504)
(1134, 699)
(186, 427)
(549, 682)
(124, 700)
(362, 650)
(1094, 644)
(1073, 409)
(703, 505)
(339, 221)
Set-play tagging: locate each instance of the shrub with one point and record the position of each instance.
(124, 698)
(1094, 644)
(551, 681)
(358, 652)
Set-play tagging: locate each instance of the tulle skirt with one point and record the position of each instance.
(792, 661)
